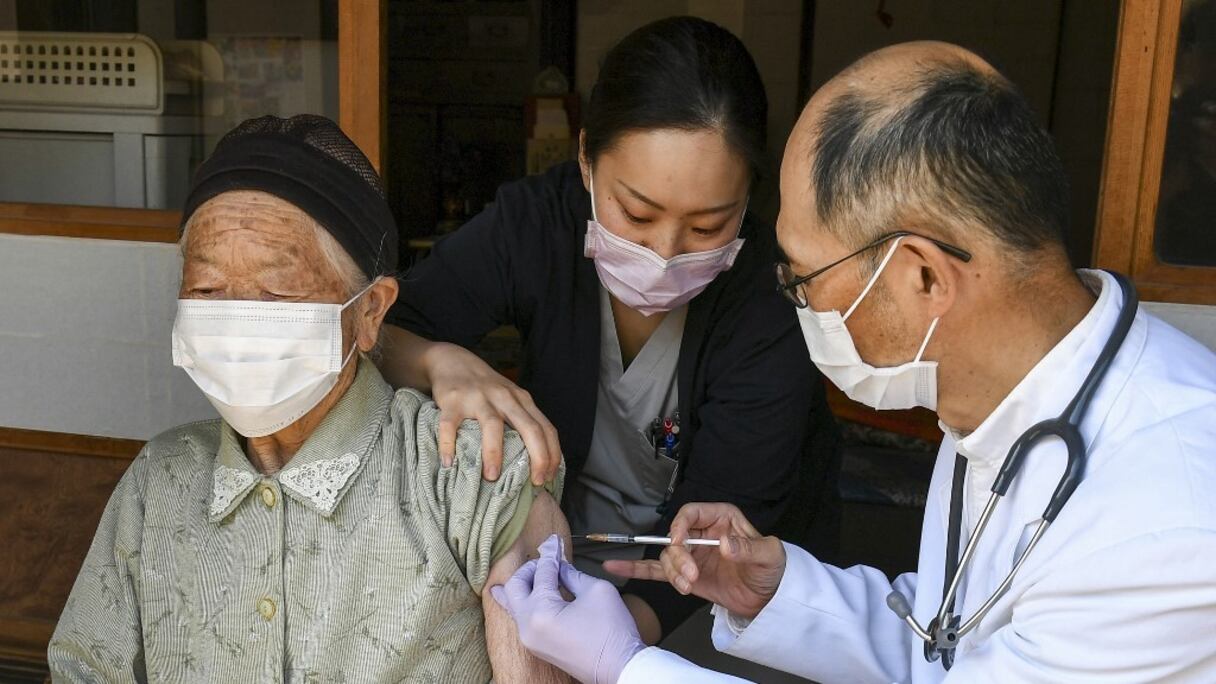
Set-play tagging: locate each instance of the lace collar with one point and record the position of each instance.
(322, 471)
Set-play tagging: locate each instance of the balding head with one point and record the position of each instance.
(928, 137)
(886, 73)
(928, 141)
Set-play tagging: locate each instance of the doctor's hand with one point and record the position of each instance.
(464, 387)
(592, 637)
(741, 575)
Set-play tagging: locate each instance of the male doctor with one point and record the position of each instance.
(923, 214)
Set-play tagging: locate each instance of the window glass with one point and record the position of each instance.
(116, 102)
(1186, 212)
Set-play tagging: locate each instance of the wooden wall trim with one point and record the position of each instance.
(362, 65)
(25, 640)
(106, 223)
(68, 443)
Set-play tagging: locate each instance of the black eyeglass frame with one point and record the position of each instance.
(788, 282)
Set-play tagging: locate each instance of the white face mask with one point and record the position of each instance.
(834, 353)
(263, 365)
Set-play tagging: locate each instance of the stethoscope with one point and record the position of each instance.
(944, 631)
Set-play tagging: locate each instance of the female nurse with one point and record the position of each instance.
(659, 359)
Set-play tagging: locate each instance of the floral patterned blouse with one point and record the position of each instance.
(362, 560)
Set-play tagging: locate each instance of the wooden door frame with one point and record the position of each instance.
(1134, 154)
(362, 74)
(361, 113)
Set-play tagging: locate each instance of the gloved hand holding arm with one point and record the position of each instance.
(592, 637)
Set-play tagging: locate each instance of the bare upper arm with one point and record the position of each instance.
(510, 660)
(545, 517)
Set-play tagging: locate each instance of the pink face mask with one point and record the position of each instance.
(645, 281)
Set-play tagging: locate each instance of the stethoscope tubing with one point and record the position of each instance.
(1066, 426)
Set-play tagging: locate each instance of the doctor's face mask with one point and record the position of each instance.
(833, 351)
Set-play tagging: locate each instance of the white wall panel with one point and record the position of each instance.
(84, 338)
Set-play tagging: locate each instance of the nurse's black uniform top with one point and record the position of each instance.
(755, 427)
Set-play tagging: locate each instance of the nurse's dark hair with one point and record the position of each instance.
(679, 73)
(955, 148)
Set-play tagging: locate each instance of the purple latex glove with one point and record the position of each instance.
(592, 637)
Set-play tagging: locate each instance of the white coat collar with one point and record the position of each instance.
(1049, 386)
(1042, 394)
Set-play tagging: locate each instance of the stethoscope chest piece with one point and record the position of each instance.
(945, 640)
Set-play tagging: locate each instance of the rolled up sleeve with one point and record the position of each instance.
(480, 519)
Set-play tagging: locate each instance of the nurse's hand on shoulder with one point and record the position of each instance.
(592, 637)
(741, 575)
(464, 387)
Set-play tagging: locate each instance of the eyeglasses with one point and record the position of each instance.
(790, 283)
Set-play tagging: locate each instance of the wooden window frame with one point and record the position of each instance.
(1134, 154)
(361, 113)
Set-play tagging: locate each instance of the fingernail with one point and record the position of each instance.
(688, 569)
(682, 585)
(734, 546)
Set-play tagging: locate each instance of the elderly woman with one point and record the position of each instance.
(313, 533)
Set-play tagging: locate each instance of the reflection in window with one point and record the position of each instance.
(1186, 214)
(115, 102)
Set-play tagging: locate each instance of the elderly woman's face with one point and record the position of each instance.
(252, 245)
(244, 247)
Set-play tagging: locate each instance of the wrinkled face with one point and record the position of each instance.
(251, 245)
(673, 192)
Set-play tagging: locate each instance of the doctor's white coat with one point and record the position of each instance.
(1122, 587)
